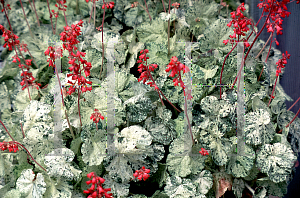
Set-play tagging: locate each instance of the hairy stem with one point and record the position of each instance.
(164, 5)
(147, 10)
(37, 17)
(92, 11)
(94, 14)
(62, 98)
(253, 43)
(102, 44)
(169, 30)
(223, 68)
(26, 19)
(292, 120)
(30, 155)
(50, 16)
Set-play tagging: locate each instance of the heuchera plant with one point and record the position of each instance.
(276, 10)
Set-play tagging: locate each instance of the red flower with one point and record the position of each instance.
(203, 152)
(100, 191)
(142, 174)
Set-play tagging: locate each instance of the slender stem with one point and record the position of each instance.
(256, 57)
(223, 68)
(294, 104)
(92, 11)
(164, 5)
(266, 57)
(102, 43)
(147, 10)
(37, 17)
(79, 106)
(50, 16)
(253, 43)
(26, 19)
(22, 130)
(65, 18)
(7, 131)
(62, 98)
(169, 101)
(169, 37)
(161, 91)
(273, 91)
(94, 14)
(31, 5)
(292, 120)
(169, 30)
(174, 21)
(30, 155)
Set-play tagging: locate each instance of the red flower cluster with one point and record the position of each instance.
(239, 22)
(278, 10)
(50, 51)
(282, 62)
(61, 5)
(176, 5)
(9, 38)
(100, 191)
(142, 174)
(203, 152)
(146, 74)
(28, 76)
(10, 41)
(5, 7)
(96, 116)
(11, 146)
(108, 5)
(175, 67)
(70, 35)
(54, 13)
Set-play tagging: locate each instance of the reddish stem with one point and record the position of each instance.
(30, 155)
(102, 42)
(7, 131)
(26, 19)
(79, 105)
(292, 120)
(50, 16)
(294, 104)
(164, 5)
(253, 44)
(92, 11)
(22, 130)
(37, 18)
(223, 68)
(147, 10)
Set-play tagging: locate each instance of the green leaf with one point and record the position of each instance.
(58, 164)
(183, 159)
(93, 145)
(238, 187)
(276, 160)
(258, 128)
(204, 182)
(239, 166)
(29, 186)
(179, 188)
